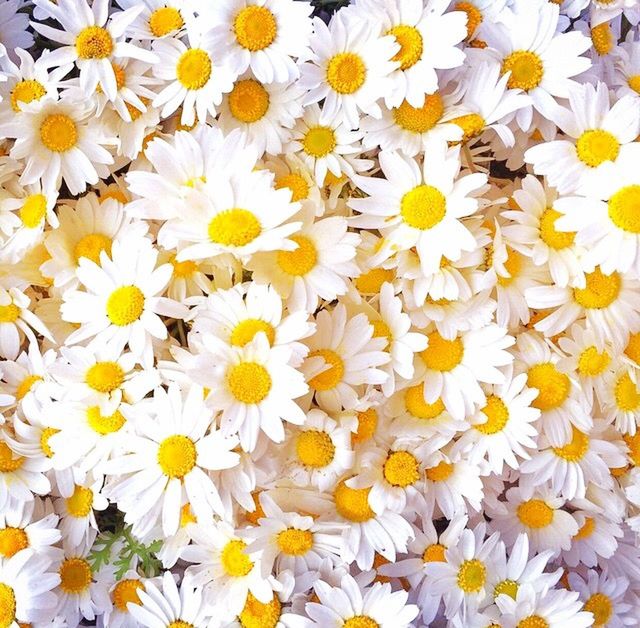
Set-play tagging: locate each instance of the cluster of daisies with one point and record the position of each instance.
(319, 324)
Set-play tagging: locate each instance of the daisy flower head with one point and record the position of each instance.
(157, 19)
(349, 68)
(620, 398)
(596, 539)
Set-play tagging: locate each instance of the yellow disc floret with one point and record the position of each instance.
(301, 260)
(419, 119)
(554, 239)
(234, 227)
(353, 503)
(75, 575)
(12, 540)
(497, 415)
(315, 448)
(624, 209)
(331, 376)
(423, 207)
(319, 141)
(535, 513)
(346, 72)
(295, 542)
(248, 101)
(256, 614)
(25, 92)
(235, 561)
(165, 20)
(249, 382)
(125, 305)
(600, 291)
(410, 40)
(553, 386)
(194, 69)
(94, 42)
(472, 575)
(58, 132)
(177, 456)
(91, 245)
(104, 377)
(526, 70)
(597, 146)
(255, 28)
(441, 354)
(401, 469)
(126, 592)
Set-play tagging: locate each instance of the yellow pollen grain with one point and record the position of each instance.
(592, 362)
(194, 69)
(434, 553)
(125, 305)
(441, 472)
(295, 542)
(319, 141)
(80, 503)
(104, 377)
(596, 146)
(246, 330)
(554, 239)
(45, 435)
(7, 606)
(472, 124)
(506, 587)
(25, 92)
(104, 424)
(575, 449)
(624, 209)
(165, 20)
(626, 393)
(602, 38)
(497, 415)
(58, 132)
(472, 575)
(256, 614)
(601, 606)
(12, 540)
(294, 182)
(346, 73)
(600, 291)
(371, 282)
(423, 207)
(75, 575)
(91, 245)
(315, 448)
(9, 462)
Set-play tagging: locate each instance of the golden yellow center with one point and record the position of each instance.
(346, 72)
(624, 209)
(634, 83)
(401, 469)
(600, 291)
(497, 415)
(602, 38)
(7, 606)
(94, 42)
(125, 592)
(575, 449)
(533, 621)
(301, 260)
(592, 362)
(416, 405)
(177, 456)
(471, 576)
(410, 40)
(295, 542)
(600, 605)
(553, 386)
(441, 472)
(441, 354)
(9, 463)
(12, 540)
(180, 624)
(75, 575)
(25, 386)
(25, 92)
(234, 227)
(255, 28)
(194, 68)
(256, 614)
(513, 266)
(104, 376)
(371, 281)
(423, 207)
(45, 435)
(235, 562)
(331, 376)
(319, 141)
(248, 101)
(245, 331)
(353, 503)
(535, 513)
(9, 313)
(419, 119)
(367, 424)
(294, 182)
(474, 17)
(360, 621)
(506, 587)
(434, 553)
(183, 270)
(104, 424)
(472, 124)
(632, 350)
(91, 245)
(553, 238)
(315, 448)
(165, 20)
(586, 530)
(125, 305)
(526, 70)
(187, 516)
(58, 132)
(33, 210)
(626, 393)
(81, 502)
(597, 146)
(249, 382)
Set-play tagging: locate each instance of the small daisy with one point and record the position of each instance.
(596, 539)
(620, 398)
(157, 19)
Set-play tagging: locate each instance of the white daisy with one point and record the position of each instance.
(157, 19)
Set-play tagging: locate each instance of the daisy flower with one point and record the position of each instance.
(167, 460)
(350, 69)
(120, 304)
(124, 592)
(420, 207)
(619, 395)
(626, 74)
(157, 18)
(597, 538)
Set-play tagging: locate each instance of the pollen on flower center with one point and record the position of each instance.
(600, 605)
(401, 469)
(45, 435)
(185, 269)
(602, 38)
(441, 472)
(249, 382)
(80, 503)
(58, 132)
(248, 101)
(371, 281)
(474, 17)
(600, 291)
(25, 92)
(256, 614)
(360, 621)
(592, 362)
(513, 265)
(434, 553)
(12, 540)
(632, 350)
(255, 28)
(177, 456)
(497, 415)
(125, 305)
(104, 376)
(301, 260)
(9, 313)
(180, 624)
(419, 119)
(410, 40)
(535, 513)
(94, 42)
(234, 227)
(367, 424)
(506, 587)
(553, 238)
(575, 449)
(526, 70)
(634, 83)
(104, 424)
(471, 576)
(25, 386)
(417, 406)
(586, 529)
(626, 393)
(346, 72)
(9, 463)
(597, 146)
(194, 68)
(331, 376)
(353, 503)
(472, 124)
(315, 448)
(125, 592)
(319, 141)
(91, 245)
(441, 354)
(164, 21)
(533, 621)
(75, 575)
(245, 331)
(294, 182)
(7, 605)
(624, 209)
(423, 207)
(234, 560)
(33, 210)
(553, 386)
(295, 542)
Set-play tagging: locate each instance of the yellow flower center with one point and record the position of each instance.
(633, 443)
(296, 183)
(586, 530)
(104, 424)
(185, 269)
(367, 424)
(245, 331)
(533, 621)
(553, 386)
(497, 415)
(553, 238)
(135, 113)
(12, 540)
(177, 456)
(180, 624)
(371, 281)
(600, 605)
(319, 141)
(472, 576)
(419, 119)
(7, 606)
(104, 376)
(94, 42)
(442, 355)
(25, 386)
(33, 210)
(248, 101)
(526, 70)
(255, 28)
(255, 614)
(574, 450)
(632, 350)
(472, 124)
(295, 542)
(600, 292)
(8, 463)
(249, 382)
(634, 83)
(125, 305)
(381, 330)
(45, 435)
(9, 313)
(474, 17)
(75, 575)
(234, 560)
(330, 377)
(434, 553)
(423, 207)
(624, 208)
(535, 513)
(602, 39)
(513, 265)
(401, 469)
(165, 20)
(597, 146)
(360, 621)
(626, 393)
(234, 227)
(58, 132)
(506, 587)
(353, 503)
(416, 405)
(80, 503)
(194, 68)
(441, 472)
(125, 592)
(591, 362)
(91, 245)
(25, 92)
(301, 260)
(315, 448)
(410, 41)
(346, 72)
